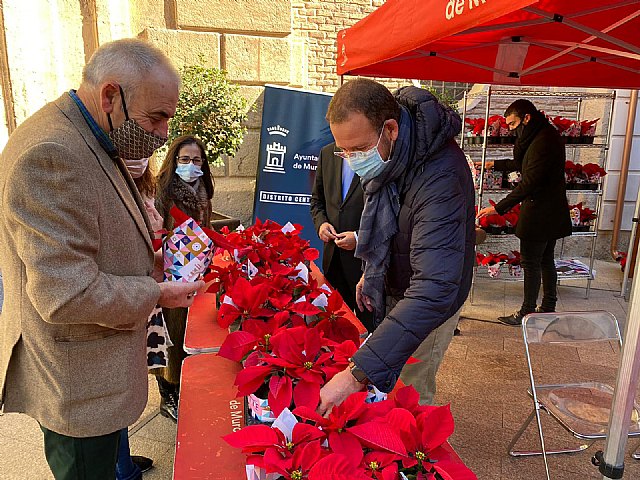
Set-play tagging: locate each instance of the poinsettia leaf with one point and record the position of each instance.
(436, 427)
(347, 444)
(275, 462)
(335, 467)
(307, 413)
(390, 472)
(306, 456)
(379, 435)
(306, 394)
(280, 393)
(249, 379)
(305, 308)
(303, 432)
(311, 254)
(253, 438)
(237, 345)
(407, 397)
(404, 423)
(450, 470)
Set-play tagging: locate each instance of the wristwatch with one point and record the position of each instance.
(358, 374)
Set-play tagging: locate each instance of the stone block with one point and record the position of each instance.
(245, 162)
(234, 197)
(150, 13)
(299, 63)
(268, 16)
(185, 48)
(275, 60)
(241, 56)
(255, 103)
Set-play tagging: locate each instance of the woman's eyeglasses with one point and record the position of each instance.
(184, 160)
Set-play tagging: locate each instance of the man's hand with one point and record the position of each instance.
(486, 211)
(337, 390)
(154, 217)
(361, 299)
(327, 232)
(179, 294)
(346, 240)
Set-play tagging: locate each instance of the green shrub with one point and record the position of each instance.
(212, 109)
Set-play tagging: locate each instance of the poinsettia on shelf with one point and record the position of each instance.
(581, 217)
(493, 262)
(390, 440)
(583, 177)
(474, 136)
(497, 224)
(574, 131)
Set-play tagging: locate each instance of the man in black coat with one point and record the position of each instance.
(539, 155)
(337, 201)
(417, 231)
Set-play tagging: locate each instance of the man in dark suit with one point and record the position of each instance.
(337, 201)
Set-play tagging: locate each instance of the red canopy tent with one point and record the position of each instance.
(578, 43)
(566, 43)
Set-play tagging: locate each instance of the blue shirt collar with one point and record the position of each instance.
(98, 132)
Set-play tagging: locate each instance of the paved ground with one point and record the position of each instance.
(484, 377)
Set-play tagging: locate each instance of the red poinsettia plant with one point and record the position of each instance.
(290, 364)
(390, 440)
(476, 124)
(581, 215)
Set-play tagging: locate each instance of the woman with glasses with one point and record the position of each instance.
(184, 181)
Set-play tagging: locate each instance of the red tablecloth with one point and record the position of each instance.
(203, 333)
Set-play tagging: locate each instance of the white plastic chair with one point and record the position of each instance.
(581, 408)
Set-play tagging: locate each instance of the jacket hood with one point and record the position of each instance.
(434, 124)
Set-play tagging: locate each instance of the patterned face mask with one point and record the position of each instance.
(131, 140)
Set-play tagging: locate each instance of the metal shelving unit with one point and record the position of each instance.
(603, 142)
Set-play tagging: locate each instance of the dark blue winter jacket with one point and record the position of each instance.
(432, 255)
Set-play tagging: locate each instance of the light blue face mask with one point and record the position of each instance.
(188, 172)
(367, 164)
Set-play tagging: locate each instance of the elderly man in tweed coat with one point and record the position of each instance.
(77, 259)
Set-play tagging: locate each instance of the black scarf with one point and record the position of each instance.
(379, 222)
(537, 122)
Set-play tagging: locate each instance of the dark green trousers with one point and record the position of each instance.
(91, 458)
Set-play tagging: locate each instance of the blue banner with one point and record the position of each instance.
(293, 132)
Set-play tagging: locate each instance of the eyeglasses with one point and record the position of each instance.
(359, 155)
(184, 160)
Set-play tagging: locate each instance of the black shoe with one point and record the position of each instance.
(169, 408)
(143, 463)
(514, 320)
(457, 332)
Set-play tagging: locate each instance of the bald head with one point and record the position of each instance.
(128, 62)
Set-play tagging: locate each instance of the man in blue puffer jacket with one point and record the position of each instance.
(417, 232)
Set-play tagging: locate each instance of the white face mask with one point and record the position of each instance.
(189, 172)
(136, 167)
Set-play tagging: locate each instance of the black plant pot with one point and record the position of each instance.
(581, 228)
(494, 140)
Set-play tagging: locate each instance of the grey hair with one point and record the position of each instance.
(127, 62)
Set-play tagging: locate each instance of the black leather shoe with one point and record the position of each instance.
(169, 408)
(143, 463)
(514, 320)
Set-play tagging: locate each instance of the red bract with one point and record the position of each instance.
(248, 303)
(333, 323)
(336, 466)
(477, 125)
(296, 466)
(255, 335)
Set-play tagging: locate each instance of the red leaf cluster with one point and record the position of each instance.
(587, 173)
(357, 440)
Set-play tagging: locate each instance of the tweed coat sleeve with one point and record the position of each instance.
(56, 229)
(437, 253)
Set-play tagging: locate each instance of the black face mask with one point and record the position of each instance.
(131, 140)
(519, 129)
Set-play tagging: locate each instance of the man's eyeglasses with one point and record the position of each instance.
(184, 160)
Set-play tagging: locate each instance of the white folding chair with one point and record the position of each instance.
(581, 408)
